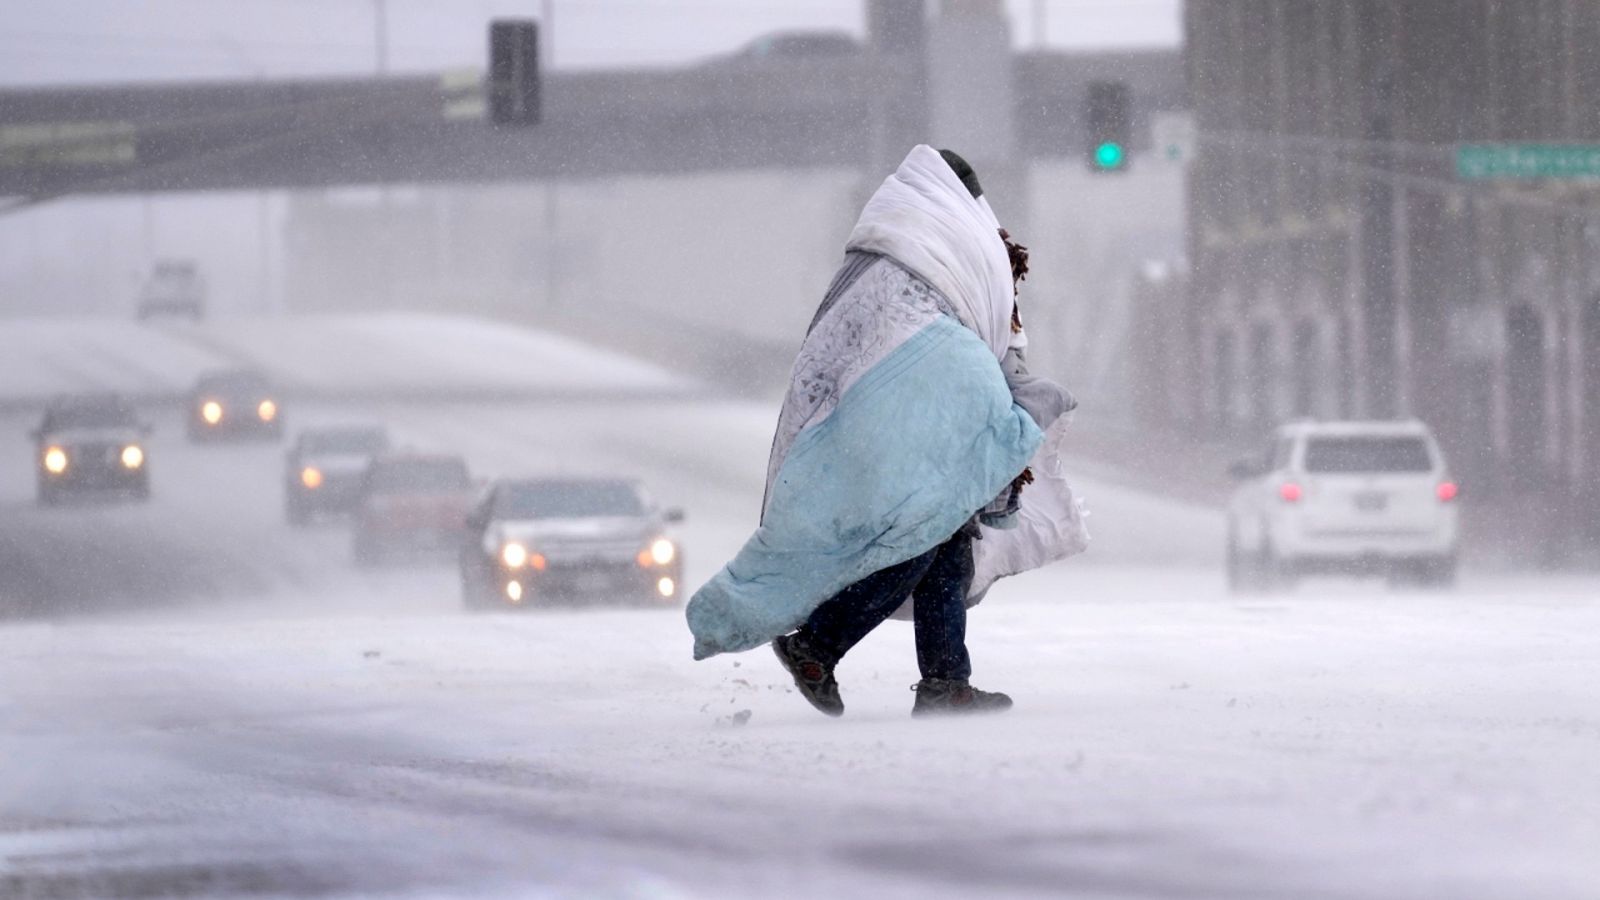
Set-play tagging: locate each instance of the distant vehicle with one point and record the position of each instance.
(234, 403)
(1344, 497)
(411, 502)
(91, 443)
(547, 540)
(174, 288)
(795, 45)
(324, 468)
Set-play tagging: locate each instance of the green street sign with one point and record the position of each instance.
(1486, 162)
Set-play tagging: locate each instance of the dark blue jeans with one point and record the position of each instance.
(937, 581)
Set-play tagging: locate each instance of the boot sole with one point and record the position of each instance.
(825, 710)
(952, 711)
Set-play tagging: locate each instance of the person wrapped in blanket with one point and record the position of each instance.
(909, 434)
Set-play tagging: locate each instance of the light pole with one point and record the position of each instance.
(265, 298)
(380, 42)
(552, 193)
(380, 24)
(547, 12)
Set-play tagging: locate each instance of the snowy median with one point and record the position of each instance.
(398, 356)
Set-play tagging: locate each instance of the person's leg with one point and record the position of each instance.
(940, 602)
(839, 624)
(844, 619)
(940, 605)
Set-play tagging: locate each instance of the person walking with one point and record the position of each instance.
(906, 433)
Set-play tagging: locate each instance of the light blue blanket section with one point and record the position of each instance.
(922, 441)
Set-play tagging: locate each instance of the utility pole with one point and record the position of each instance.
(264, 298)
(1380, 206)
(552, 187)
(380, 22)
(385, 255)
(264, 237)
(547, 33)
(147, 231)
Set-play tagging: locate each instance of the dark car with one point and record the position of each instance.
(91, 443)
(324, 468)
(234, 403)
(411, 503)
(545, 540)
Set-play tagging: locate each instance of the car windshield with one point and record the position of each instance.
(98, 414)
(1368, 454)
(568, 500)
(366, 441)
(234, 383)
(419, 475)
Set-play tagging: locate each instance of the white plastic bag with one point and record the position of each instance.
(1050, 524)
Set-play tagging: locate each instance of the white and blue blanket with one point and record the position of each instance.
(898, 424)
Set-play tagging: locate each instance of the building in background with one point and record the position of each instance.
(1341, 266)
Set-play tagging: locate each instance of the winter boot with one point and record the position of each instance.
(812, 676)
(942, 696)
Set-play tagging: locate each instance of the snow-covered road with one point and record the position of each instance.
(196, 700)
(1168, 742)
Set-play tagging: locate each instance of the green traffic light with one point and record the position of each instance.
(1109, 155)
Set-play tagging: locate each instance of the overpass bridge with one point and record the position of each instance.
(723, 115)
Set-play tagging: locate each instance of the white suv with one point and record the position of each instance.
(1343, 497)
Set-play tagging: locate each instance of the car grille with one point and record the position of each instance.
(98, 458)
(593, 554)
(591, 578)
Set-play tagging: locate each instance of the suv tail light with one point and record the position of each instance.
(1447, 491)
(1290, 492)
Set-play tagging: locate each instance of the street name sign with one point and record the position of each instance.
(1484, 162)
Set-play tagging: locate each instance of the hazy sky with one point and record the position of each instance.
(54, 42)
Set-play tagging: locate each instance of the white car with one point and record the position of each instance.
(1344, 497)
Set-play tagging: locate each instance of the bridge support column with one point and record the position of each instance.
(971, 100)
(955, 92)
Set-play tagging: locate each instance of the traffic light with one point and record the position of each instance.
(1108, 115)
(514, 72)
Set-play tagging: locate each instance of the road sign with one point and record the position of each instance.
(68, 144)
(1481, 162)
(463, 95)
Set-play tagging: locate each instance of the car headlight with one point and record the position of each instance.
(662, 552)
(132, 456)
(211, 411)
(666, 587)
(55, 460)
(514, 555)
(267, 410)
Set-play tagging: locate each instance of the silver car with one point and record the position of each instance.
(545, 540)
